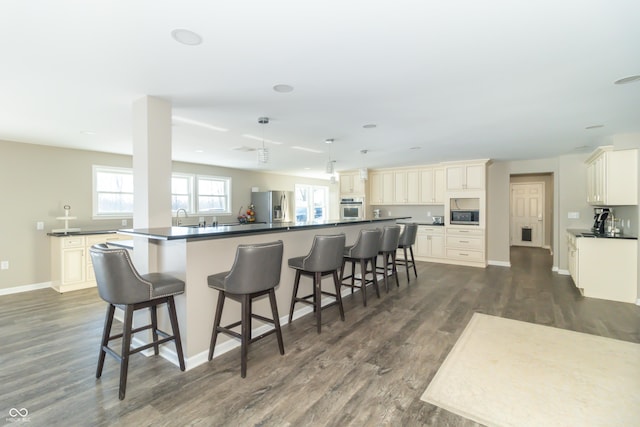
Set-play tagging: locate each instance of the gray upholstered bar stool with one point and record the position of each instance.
(122, 286)
(388, 248)
(364, 252)
(407, 240)
(324, 258)
(255, 272)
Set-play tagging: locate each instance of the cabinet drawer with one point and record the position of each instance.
(465, 255)
(465, 231)
(73, 242)
(430, 230)
(464, 242)
(101, 238)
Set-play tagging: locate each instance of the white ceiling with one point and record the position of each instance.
(461, 79)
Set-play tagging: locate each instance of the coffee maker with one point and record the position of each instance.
(599, 218)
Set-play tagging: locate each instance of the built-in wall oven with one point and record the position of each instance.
(352, 208)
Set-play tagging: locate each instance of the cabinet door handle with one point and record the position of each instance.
(464, 241)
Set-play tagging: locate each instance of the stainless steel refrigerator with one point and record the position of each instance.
(273, 206)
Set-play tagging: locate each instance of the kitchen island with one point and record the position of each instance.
(194, 253)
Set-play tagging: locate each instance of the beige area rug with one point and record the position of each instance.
(505, 372)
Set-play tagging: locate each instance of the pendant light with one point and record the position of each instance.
(263, 153)
(364, 173)
(330, 169)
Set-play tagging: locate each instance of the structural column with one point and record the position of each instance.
(151, 173)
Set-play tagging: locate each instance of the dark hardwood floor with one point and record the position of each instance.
(369, 370)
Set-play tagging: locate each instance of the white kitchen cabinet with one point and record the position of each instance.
(406, 187)
(466, 177)
(351, 184)
(466, 245)
(430, 242)
(381, 187)
(612, 177)
(432, 186)
(71, 267)
(605, 268)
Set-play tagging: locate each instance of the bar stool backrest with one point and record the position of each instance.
(326, 253)
(256, 268)
(390, 238)
(408, 236)
(367, 244)
(118, 280)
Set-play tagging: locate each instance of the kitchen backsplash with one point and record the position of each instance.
(417, 213)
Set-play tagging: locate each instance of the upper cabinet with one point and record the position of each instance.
(351, 184)
(381, 187)
(470, 176)
(612, 177)
(432, 186)
(407, 187)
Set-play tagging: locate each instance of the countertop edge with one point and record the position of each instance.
(185, 233)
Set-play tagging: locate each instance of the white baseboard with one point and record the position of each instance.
(562, 272)
(25, 288)
(500, 263)
(638, 301)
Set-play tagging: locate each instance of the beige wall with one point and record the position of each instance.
(37, 181)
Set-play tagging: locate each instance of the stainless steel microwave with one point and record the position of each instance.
(465, 217)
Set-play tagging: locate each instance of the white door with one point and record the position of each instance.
(527, 208)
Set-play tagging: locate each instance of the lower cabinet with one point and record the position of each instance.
(605, 268)
(466, 245)
(71, 267)
(430, 242)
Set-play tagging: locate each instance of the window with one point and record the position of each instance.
(214, 195)
(182, 192)
(312, 203)
(113, 192)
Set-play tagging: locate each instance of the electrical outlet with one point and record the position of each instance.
(4, 265)
(428, 213)
(573, 215)
(124, 222)
(40, 225)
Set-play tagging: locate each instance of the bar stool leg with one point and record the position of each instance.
(317, 289)
(276, 319)
(154, 328)
(353, 275)
(108, 321)
(338, 296)
(406, 263)
(296, 283)
(385, 263)
(126, 348)
(363, 281)
(173, 317)
(245, 333)
(394, 268)
(216, 323)
(375, 275)
(413, 261)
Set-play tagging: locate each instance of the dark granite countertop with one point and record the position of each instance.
(591, 235)
(191, 233)
(81, 233)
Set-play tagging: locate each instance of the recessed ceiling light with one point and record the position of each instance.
(87, 132)
(310, 150)
(328, 141)
(187, 37)
(307, 169)
(283, 88)
(594, 127)
(199, 151)
(197, 123)
(415, 148)
(369, 126)
(630, 79)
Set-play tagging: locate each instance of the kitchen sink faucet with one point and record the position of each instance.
(178, 222)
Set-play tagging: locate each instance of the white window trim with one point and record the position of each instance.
(94, 209)
(229, 193)
(192, 190)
